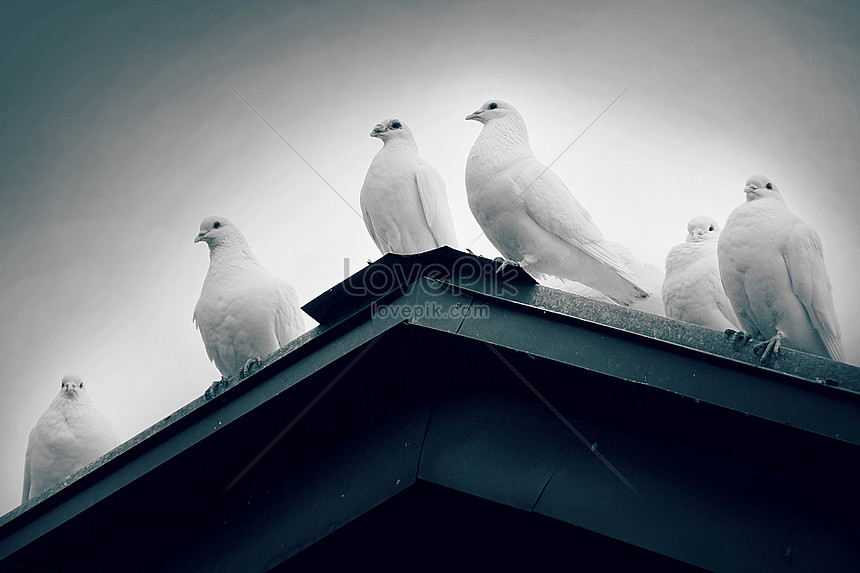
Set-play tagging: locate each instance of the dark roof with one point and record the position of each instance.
(537, 410)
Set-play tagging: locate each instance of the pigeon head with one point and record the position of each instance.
(702, 228)
(216, 230)
(72, 386)
(391, 128)
(492, 109)
(760, 187)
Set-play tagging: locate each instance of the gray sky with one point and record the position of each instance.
(118, 135)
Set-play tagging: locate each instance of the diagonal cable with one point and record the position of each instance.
(294, 149)
(561, 417)
(300, 415)
(517, 198)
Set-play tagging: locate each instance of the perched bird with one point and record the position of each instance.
(772, 267)
(529, 215)
(692, 289)
(244, 313)
(68, 436)
(403, 198)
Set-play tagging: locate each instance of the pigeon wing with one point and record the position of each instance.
(720, 296)
(733, 287)
(671, 290)
(434, 200)
(804, 259)
(217, 338)
(288, 318)
(368, 222)
(550, 204)
(742, 311)
(210, 350)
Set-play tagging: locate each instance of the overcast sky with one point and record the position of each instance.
(118, 135)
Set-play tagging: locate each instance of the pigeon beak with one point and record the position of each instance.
(199, 237)
(378, 130)
(750, 192)
(476, 116)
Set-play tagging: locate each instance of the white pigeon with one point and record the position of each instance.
(244, 313)
(648, 276)
(529, 215)
(692, 289)
(772, 267)
(403, 198)
(68, 436)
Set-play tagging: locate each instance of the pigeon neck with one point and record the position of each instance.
(701, 240)
(231, 248)
(63, 401)
(401, 143)
(507, 137)
(760, 194)
(687, 252)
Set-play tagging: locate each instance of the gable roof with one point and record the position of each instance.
(435, 369)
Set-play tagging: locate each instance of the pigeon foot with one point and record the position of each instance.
(505, 263)
(217, 388)
(737, 338)
(246, 369)
(768, 348)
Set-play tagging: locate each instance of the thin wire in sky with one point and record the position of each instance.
(562, 418)
(330, 186)
(618, 97)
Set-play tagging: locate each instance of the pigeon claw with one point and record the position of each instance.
(249, 365)
(217, 388)
(504, 263)
(768, 348)
(737, 338)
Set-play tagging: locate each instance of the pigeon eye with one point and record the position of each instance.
(492, 105)
(216, 225)
(769, 186)
(711, 228)
(395, 125)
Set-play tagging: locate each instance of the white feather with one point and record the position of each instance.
(692, 290)
(68, 436)
(772, 267)
(403, 198)
(243, 311)
(529, 215)
(648, 276)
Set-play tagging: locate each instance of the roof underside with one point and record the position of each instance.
(546, 415)
(432, 528)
